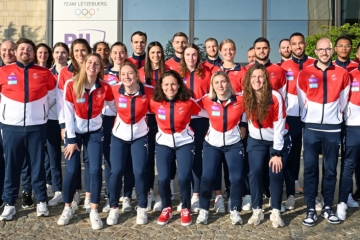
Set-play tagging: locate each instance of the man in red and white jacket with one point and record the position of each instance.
(323, 91)
(27, 93)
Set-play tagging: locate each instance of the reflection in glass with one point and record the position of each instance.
(155, 10)
(242, 32)
(228, 10)
(287, 9)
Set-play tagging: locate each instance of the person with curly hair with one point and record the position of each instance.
(268, 131)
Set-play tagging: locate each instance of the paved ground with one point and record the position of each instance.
(27, 226)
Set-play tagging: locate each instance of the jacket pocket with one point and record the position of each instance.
(44, 111)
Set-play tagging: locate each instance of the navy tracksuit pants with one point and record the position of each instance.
(234, 155)
(200, 127)
(292, 168)
(327, 137)
(257, 150)
(93, 144)
(19, 146)
(150, 169)
(164, 159)
(119, 156)
(108, 123)
(53, 155)
(350, 160)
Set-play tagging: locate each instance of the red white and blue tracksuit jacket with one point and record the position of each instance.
(130, 123)
(224, 120)
(83, 115)
(323, 95)
(27, 93)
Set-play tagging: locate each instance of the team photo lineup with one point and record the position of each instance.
(222, 130)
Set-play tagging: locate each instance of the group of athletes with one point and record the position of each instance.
(196, 118)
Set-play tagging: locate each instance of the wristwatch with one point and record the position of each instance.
(276, 154)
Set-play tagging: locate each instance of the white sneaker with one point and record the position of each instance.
(172, 189)
(149, 201)
(341, 211)
(74, 206)
(49, 191)
(77, 198)
(121, 199)
(113, 216)
(195, 205)
(282, 205)
(158, 204)
(290, 203)
(351, 202)
(256, 217)
(133, 194)
(229, 205)
(96, 222)
(246, 203)
(219, 204)
(179, 207)
(8, 213)
(235, 217)
(106, 208)
(58, 198)
(87, 205)
(141, 217)
(126, 205)
(318, 204)
(276, 219)
(66, 215)
(298, 188)
(42, 210)
(202, 217)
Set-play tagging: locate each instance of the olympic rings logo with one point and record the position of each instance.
(84, 13)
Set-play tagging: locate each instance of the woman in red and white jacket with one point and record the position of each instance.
(118, 55)
(197, 78)
(129, 138)
(173, 107)
(150, 75)
(79, 50)
(268, 131)
(84, 99)
(223, 138)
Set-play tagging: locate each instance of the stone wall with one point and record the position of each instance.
(19, 18)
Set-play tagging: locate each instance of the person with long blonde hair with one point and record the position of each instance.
(268, 131)
(223, 139)
(84, 98)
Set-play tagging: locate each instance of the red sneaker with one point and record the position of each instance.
(165, 216)
(186, 218)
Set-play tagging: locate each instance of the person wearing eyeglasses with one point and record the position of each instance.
(323, 91)
(343, 47)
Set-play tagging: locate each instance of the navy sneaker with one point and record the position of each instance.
(329, 215)
(310, 218)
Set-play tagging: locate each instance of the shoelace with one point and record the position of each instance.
(165, 212)
(185, 212)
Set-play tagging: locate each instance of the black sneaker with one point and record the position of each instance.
(329, 215)
(2, 203)
(27, 200)
(356, 195)
(310, 218)
(266, 193)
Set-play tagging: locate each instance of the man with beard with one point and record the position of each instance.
(323, 91)
(284, 49)
(213, 60)
(138, 43)
(27, 93)
(251, 55)
(277, 75)
(293, 66)
(179, 42)
(343, 47)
